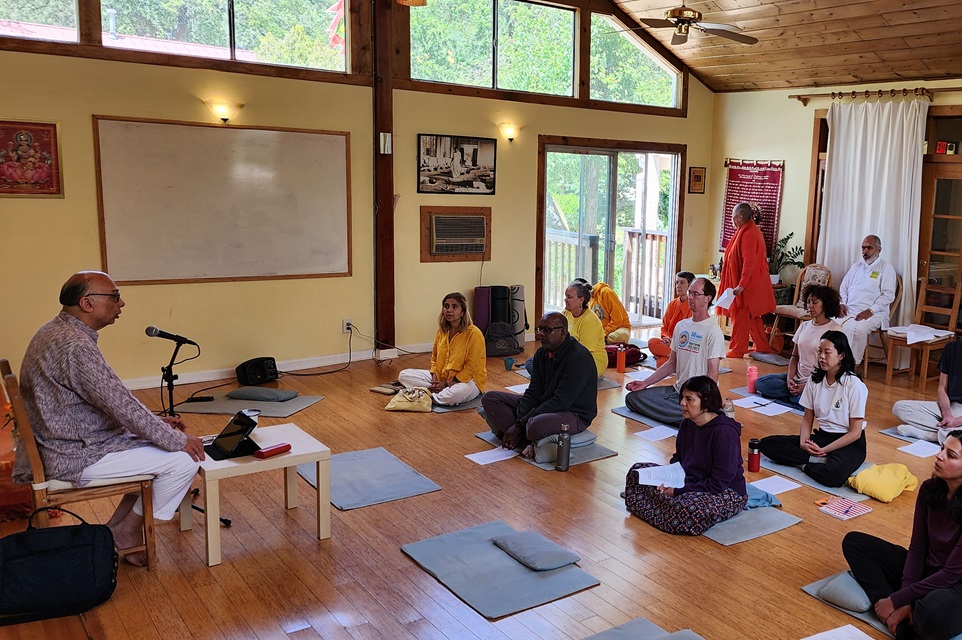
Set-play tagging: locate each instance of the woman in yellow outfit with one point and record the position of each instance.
(608, 307)
(458, 368)
(583, 325)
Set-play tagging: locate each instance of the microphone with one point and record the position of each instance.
(154, 332)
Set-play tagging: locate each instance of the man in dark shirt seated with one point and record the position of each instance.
(563, 390)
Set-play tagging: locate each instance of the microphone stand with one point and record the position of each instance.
(169, 377)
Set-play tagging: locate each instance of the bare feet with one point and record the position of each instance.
(129, 533)
(528, 452)
(511, 437)
(126, 504)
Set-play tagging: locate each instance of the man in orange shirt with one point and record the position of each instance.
(746, 272)
(676, 311)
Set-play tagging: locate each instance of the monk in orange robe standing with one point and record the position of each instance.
(746, 272)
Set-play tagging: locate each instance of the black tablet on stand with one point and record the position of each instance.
(234, 440)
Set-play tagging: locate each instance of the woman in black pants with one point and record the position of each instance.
(830, 445)
(917, 592)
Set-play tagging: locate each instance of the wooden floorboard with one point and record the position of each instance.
(278, 581)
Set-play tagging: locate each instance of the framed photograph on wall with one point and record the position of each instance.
(30, 159)
(696, 179)
(456, 164)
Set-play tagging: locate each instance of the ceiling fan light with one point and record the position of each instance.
(681, 28)
(413, 3)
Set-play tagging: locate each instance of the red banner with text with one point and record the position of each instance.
(758, 182)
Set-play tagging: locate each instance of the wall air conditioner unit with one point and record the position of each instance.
(463, 234)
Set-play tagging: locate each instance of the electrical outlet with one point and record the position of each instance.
(346, 325)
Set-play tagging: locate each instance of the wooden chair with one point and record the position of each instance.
(922, 350)
(55, 493)
(882, 333)
(798, 310)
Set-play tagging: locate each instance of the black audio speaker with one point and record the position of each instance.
(256, 371)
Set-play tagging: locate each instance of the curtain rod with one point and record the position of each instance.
(921, 92)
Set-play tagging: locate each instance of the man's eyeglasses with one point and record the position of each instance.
(546, 330)
(696, 293)
(115, 296)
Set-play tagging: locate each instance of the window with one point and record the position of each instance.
(301, 33)
(39, 19)
(454, 41)
(623, 69)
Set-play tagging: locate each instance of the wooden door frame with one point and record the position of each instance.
(635, 146)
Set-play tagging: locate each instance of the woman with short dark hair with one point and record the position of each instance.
(835, 399)
(917, 592)
(823, 305)
(708, 447)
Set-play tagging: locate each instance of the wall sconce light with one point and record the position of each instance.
(223, 110)
(509, 130)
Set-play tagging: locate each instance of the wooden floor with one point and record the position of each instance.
(278, 581)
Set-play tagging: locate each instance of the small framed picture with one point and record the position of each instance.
(696, 179)
(30, 159)
(456, 164)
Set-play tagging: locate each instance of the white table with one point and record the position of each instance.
(304, 449)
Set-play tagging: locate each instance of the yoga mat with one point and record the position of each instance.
(223, 404)
(489, 580)
(470, 404)
(798, 475)
(587, 453)
(372, 476)
(769, 358)
(750, 524)
(603, 383)
(893, 432)
(625, 412)
(519, 318)
(641, 629)
(868, 617)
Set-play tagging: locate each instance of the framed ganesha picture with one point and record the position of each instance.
(30, 159)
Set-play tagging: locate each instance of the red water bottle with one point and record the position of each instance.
(752, 377)
(622, 353)
(754, 455)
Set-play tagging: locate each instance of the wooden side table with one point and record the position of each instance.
(304, 449)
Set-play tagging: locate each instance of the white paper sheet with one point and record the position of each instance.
(750, 402)
(725, 299)
(492, 455)
(641, 374)
(848, 632)
(775, 485)
(671, 475)
(921, 448)
(518, 388)
(773, 409)
(915, 333)
(657, 433)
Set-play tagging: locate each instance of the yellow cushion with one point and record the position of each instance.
(884, 481)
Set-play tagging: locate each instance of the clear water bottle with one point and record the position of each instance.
(728, 408)
(564, 449)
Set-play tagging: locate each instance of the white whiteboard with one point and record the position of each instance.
(182, 201)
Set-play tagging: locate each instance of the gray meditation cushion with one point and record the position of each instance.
(546, 449)
(262, 394)
(534, 551)
(843, 591)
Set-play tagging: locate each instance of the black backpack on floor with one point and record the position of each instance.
(499, 340)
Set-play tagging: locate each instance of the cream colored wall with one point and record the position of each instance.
(45, 240)
(514, 203)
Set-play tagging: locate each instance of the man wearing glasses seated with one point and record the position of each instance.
(563, 390)
(87, 424)
(697, 347)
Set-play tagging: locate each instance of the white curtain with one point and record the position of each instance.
(873, 185)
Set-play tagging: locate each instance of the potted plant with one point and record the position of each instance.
(783, 256)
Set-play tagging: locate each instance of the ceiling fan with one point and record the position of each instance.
(682, 19)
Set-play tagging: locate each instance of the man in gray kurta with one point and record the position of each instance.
(87, 424)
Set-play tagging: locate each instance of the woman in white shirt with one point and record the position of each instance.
(822, 304)
(834, 402)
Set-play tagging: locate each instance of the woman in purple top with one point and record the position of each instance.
(708, 446)
(917, 592)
